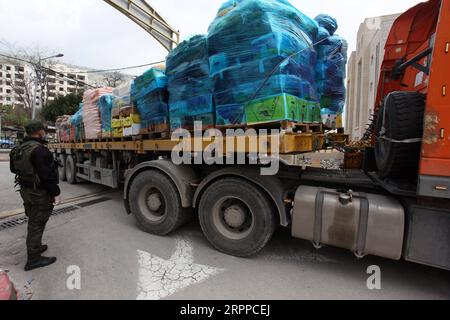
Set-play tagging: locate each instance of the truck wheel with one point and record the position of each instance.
(62, 170)
(156, 203)
(71, 173)
(403, 120)
(236, 217)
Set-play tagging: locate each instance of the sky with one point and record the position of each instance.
(93, 34)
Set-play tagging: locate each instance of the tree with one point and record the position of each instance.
(113, 79)
(62, 105)
(15, 116)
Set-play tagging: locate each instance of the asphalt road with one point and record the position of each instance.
(103, 255)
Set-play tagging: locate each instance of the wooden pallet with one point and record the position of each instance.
(291, 126)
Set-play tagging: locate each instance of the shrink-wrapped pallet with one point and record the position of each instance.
(91, 112)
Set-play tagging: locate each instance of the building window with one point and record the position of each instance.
(8, 91)
(61, 82)
(8, 76)
(8, 68)
(61, 89)
(359, 94)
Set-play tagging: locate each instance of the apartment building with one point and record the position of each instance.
(363, 73)
(18, 85)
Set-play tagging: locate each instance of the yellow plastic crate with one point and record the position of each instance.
(116, 123)
(117, 132)
(130, 120)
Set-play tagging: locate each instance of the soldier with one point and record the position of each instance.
(37, 175)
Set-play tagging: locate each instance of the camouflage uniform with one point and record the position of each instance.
(37, 175)
(38, 208)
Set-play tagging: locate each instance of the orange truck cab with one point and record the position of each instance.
(417, 60)
(412, 135)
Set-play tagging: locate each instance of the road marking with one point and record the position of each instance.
(159, 278)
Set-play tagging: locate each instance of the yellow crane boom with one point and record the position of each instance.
(140, 12)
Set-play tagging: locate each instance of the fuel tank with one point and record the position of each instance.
(366, 224)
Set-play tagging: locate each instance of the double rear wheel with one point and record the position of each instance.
(236, 217)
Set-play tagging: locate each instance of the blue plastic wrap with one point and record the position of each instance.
(150, 81)
(77, 123)
(153, 104)
(189, 85)
(150, 96)
(77, 118)
(260, 48)
(331, 69)
(322, 35)
(188, 53)
(105, 104)
(255, 29)
(327, 22)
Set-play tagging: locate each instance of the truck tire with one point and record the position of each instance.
(403, 120)
(236, 217)
(71, 172)
(62, 170)
(156, 204)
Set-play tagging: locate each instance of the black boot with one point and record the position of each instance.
(44, 248)
(39, 263)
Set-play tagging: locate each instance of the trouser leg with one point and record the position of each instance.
(38, 207)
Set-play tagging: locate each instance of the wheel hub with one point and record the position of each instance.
(235, 216)
(154, 202)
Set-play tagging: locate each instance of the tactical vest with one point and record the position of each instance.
(21, 157)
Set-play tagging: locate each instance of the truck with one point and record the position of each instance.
(396, 206)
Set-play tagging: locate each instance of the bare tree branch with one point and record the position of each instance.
(113, 79)
(38, 76)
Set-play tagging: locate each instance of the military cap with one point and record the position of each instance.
(34, 126)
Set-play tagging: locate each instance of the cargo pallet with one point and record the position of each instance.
(289, 143)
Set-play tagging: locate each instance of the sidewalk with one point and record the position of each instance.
(4, 155)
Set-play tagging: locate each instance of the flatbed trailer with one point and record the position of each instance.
(239, 208)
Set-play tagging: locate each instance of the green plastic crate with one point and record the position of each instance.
(273, 109)
(310, 112)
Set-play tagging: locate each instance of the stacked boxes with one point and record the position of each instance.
(189, 85)
(91, 112)
(62, 125)
(130, 121)
(125, 120)
(331, 72)
(77, 125)
(105, 104)
(121, 99)
(150, 97)
(261, 51)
